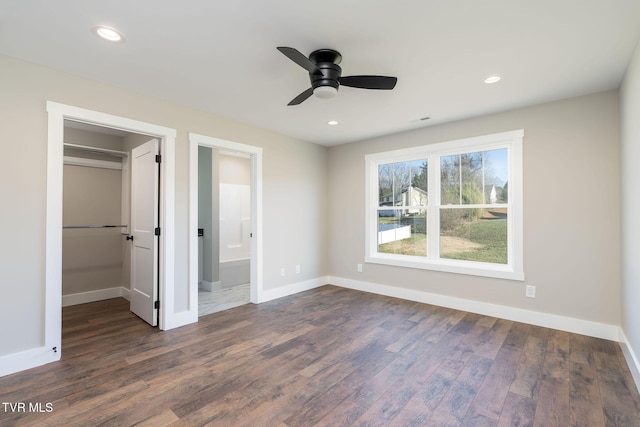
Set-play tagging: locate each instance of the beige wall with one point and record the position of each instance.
(571, 210)
(630, 147)
(290, 166)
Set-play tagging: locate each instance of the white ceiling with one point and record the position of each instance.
(221, 56)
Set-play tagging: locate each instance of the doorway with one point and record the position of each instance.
(57, 114)
(110, 214)
(231, 234)
(224, 229)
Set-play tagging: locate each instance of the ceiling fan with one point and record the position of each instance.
(325, 74)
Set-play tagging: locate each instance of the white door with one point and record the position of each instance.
(144, 221)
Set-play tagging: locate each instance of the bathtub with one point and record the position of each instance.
(235, 272)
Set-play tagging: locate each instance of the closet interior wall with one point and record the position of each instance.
(93, 259)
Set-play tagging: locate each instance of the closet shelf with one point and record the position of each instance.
(93, 226)
(97, 149)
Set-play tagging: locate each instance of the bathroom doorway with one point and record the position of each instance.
(225, 217)
(224, 229)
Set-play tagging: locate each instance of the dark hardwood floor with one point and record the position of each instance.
(327, 357)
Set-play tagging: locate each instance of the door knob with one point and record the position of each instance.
(130, 238)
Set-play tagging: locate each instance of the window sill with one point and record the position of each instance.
(449, 266)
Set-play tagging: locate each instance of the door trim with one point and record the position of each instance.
(255, 153)
(57, 113)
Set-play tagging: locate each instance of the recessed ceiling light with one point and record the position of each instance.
(108, 33)
(332, 122)
(492, 79)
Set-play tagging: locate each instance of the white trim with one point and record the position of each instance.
(569, 324)
(294, 288)
(454, 147)
(450, 266)
(631, 358)
(92, 163)
(92, 296)
(255, 153)
(16, 362)
(513, 270)
(52, 316)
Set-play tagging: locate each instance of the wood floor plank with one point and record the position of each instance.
(493, 391)
(556, 359)
(518, 411)
(455, 404)
(518, 334)
(529, 372)
(584, 391)
(473, 419)
(162, 419)
(330, 357)
(552, 407)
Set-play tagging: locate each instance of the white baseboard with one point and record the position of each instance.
(579, 326)
(631, 357)
(209, 286)
(294, 288)
(92, 296)
(24, 360)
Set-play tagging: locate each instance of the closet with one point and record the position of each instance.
(95, 253)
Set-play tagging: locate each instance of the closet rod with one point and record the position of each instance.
(94, 226)
(97, 149)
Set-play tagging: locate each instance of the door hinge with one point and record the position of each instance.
(157, 231)
(156, 305)
(158, 158)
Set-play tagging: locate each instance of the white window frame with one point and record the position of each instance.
(513, 270)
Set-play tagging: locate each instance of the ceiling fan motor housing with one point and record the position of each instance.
(330, 75)
(326, 61)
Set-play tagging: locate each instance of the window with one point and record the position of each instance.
(454, 206)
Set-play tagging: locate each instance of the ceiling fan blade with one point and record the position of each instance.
(304, 95)
(369, 82)
(300, 59)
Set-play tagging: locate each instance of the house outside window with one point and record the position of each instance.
(454, 206)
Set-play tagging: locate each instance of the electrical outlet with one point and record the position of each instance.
(297, 269)
(530, 291)
(282, 272)
(359, 268)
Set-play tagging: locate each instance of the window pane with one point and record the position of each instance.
(419, 182)
(385, 185)
(474, 178)
(402, 183)
(471, 176)
(474, 234)
(496, 175)
(402, 231)
(401, 180)
(450, 180)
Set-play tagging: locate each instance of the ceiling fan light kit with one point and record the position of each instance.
(325, 92)
(326, 75)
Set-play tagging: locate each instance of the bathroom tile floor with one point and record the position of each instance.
(222, 298)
